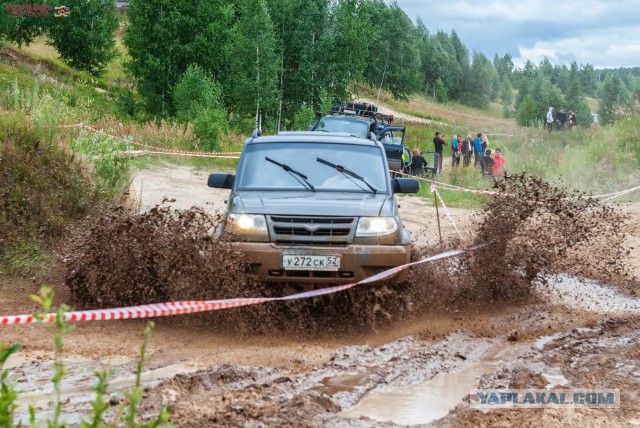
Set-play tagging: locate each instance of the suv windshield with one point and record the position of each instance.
(258, 173)
(355, 127)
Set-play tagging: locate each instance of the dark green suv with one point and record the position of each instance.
(309, 207)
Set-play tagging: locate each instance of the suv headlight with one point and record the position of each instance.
(248, 226)
(376, 226)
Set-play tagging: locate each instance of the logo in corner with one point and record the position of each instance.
(61, 11)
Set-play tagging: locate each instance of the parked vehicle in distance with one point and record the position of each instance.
(311, 207)
(363, 120)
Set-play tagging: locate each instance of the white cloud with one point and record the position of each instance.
(599, 32)
(604, 47)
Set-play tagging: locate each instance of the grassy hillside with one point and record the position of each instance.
(596, 160)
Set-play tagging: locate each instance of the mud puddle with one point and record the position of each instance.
(419, 404)
(77, 387)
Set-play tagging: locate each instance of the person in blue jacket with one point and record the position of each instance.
(477, 150)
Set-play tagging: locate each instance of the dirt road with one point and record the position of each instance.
(574, 334)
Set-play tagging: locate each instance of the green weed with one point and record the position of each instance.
(23, 258)
(8, 393)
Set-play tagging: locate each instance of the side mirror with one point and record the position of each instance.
(221, 181)
(405, 185)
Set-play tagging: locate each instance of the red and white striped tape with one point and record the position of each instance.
(194, 306)
(155, 149)
(451, 187)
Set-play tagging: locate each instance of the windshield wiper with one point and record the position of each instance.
(294, 173)
(347, 171)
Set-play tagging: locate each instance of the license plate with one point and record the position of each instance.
(300, 262)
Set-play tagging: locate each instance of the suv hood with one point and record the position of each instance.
(316, 204)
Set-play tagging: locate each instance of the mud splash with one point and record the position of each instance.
(536, 228)
(124, 258)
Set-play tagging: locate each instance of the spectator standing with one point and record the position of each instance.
(418, 163)
(455, 152)
(485, 143)
(478, 154)
(550, 119)
(498, 162)
(438, 143)
(467, 150)
(488, 164)
(561, 118)
(572, 120)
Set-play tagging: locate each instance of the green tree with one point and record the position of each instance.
(524, 82)
(253, 81)
(459, 74)
(20, 29)
(588, 79)
(480, 85)
(506, 96)
(582, 111)
(527, 114)
(574, 89)
(504, 66)
(298, 26)
(444, 64)
(196, 91)
(441, 92)
(615, 100)
(198, 99)
(393, 62)
(540, 94)
(345, 42)
(164, 37)
(86, 40)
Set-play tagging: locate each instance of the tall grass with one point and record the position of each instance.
(41, 186)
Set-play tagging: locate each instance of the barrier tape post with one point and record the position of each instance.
(446, 210)
(435, 200)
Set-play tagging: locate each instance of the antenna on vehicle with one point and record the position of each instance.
(382, 80)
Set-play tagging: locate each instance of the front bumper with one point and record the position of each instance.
(357, 262)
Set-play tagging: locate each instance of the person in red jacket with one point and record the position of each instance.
(498, 162)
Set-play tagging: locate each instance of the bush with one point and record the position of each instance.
(208, 127)
(126, 104)
(527, 114)
(198, 99)
(304, 117)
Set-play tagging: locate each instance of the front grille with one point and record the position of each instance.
(317, 231)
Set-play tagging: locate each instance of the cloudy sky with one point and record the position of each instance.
(599, 32)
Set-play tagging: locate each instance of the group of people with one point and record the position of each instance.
(490, 163)
(560, 119)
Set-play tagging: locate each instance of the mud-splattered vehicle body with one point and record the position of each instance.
(310, 207)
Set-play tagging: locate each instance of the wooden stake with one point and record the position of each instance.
(435, 199)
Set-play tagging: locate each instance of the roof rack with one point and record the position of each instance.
(357, 108)
(315, 133)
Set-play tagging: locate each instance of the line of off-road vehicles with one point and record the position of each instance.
(363, 120)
